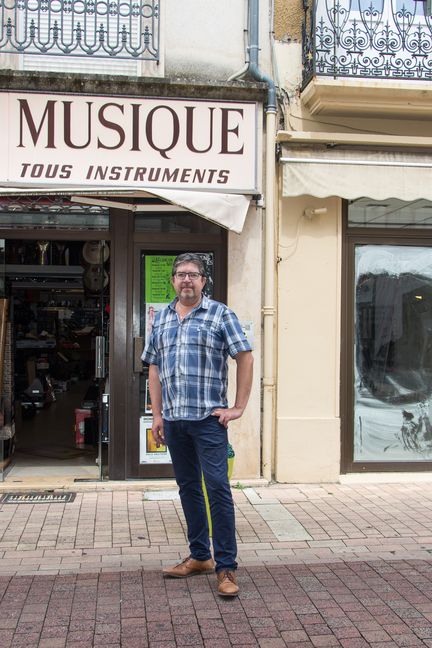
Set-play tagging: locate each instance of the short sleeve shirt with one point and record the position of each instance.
(191, 356)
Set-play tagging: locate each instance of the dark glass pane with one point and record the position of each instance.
(51, 212)
(156, 292)
(365, 212)
(174, 223)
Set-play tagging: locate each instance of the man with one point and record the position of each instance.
(187, 353)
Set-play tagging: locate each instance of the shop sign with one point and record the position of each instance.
(129, 142)
(149, 451)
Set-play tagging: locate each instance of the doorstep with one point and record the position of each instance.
(385, 478)
(69, 484)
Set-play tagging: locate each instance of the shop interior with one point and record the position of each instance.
(55, 349)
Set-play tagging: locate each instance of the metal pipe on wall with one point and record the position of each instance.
(269, 310)
(254, 69)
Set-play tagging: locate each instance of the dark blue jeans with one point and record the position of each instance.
(197, 446)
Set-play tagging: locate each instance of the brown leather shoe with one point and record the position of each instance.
(227, 584)
(189, 567)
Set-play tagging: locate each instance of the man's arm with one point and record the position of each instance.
(244, 360)
(156, 403)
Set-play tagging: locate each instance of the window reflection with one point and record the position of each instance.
(365, 212)
(393, 353)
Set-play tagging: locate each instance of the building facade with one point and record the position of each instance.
(354, 236)
(132, 132)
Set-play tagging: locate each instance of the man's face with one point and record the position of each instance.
(188, 289)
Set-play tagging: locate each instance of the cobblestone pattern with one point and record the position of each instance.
(379, 604)
(100, 531)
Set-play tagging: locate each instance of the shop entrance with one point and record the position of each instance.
(57, 294)
(152, 290)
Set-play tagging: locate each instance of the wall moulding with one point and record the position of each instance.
(368, 98)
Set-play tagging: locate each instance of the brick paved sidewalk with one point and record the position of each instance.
(102, 531)
(354, 605)
(320, 565)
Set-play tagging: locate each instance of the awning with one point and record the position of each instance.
(226, 210)
(354, 172)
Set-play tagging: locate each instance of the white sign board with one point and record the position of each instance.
(149, 453)
(129, 142)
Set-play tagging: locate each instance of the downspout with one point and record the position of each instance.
(269, 400)
(254, 70)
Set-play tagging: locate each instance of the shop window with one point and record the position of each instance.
(387, 399)
(393, 353)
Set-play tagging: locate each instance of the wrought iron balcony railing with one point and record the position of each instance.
(387, 39)
(120, 29)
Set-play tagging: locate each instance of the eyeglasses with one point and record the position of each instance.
(192, 275)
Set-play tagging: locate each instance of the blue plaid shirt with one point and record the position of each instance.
(191, 356)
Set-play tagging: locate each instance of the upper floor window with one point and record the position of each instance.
(80, 35)
(386, 39)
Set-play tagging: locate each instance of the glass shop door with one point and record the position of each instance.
(156, 293)
(389, 377)
(96, 279)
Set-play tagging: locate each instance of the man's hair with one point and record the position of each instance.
(189, 257)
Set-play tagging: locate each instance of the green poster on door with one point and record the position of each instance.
(158, 288)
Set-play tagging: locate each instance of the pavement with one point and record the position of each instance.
(345, 564)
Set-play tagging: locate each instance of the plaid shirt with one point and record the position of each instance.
(191, 356)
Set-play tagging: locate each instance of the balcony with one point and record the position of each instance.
(367, 57)
(88, 30)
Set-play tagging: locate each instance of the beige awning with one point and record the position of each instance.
(226, 210)
(354, 172)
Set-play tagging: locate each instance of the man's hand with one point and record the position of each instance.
(244, 362)
(158, 431)
(227, 414)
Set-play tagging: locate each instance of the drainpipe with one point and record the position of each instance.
(269, 400)
(254, 70)
(252, 66)
(269, 311)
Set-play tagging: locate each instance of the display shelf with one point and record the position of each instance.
(44, 270)
(91, 309)
(35, 344)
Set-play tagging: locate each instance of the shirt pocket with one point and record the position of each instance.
(209, 336)
(165, 337)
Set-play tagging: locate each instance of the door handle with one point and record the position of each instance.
(100, 357)
(138, 349)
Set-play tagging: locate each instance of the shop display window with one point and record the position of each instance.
(387, 336)
(393, 353)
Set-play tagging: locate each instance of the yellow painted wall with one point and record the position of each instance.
(308, 424)
(244, 297)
